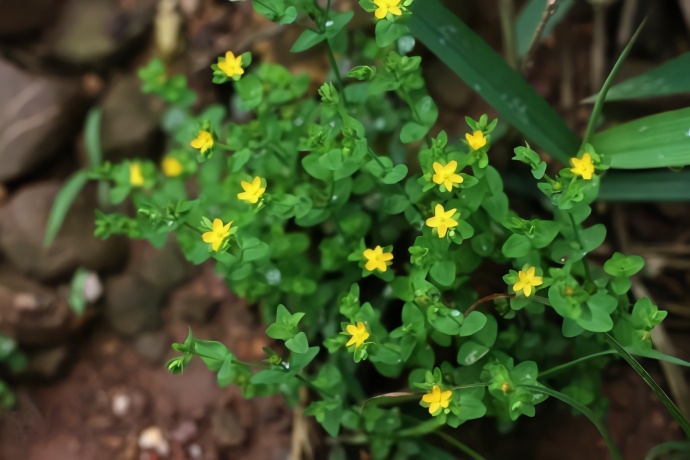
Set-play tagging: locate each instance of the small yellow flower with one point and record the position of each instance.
(437, 399)
(376, 259)
(445, 174)
(387, 6)
(583, 166)
(476, 140)
(442, 220)
(232, 65)
(527, 280)
(252, 191)
(505, 388)
(136, 178)
(203, 141)
(359, 334)
(171, 167)
(218, 234)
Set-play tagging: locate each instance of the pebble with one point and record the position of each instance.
(152, 439)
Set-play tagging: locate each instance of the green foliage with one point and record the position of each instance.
(352, 254)
(15, 360)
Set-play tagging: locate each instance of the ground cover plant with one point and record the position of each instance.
(359, 235)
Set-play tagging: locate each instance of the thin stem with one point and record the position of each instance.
(336, 70)
(459, 445)
(486, 299)
(560, 367)
(507, 13)
(280, 154)
(601, 98)
(588, 274)
(551, 7)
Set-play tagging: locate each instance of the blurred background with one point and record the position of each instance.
(93, 384)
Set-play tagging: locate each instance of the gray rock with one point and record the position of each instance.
(132, 305)
(23, 17)
(94, 31)
(130, 120)
(196, 301)
(226, 428)
(33, 314)
(24, 220)
(47, 363)
(37, 116)
(152, 345)
(164, 268)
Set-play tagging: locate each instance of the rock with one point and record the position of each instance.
(152, 439)
(185, 431)
(130, 121)
(196, 301)
(132, 305)
(33, 314)
(152, 345)
(91, 32)
(37, 116)
(14, 19)
(226, 429)
(164, 268)
(24, 221)
(47, 363)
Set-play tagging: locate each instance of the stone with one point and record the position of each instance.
(226, 429)
(37, 117)
(132, 305)
(164, 267)
(152, 439)
(33, 314)
(47, 363)
(152, 345)
(196, 301)
(22, 226)
(92, 32)
(15, 19)
(129, 127)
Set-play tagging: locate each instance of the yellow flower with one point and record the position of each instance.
(171, 167)
(527, 279)
(376, 259)
(136, 178)
(203, 141)
(232, 65)
(218, 234)
(387, 6)
(359, 334)
(476, 140)
(446, 174)
(252, 191)
(442, 220)
(437, 399)
(583, 166)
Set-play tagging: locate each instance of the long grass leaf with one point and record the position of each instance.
(656, 141)
(669, 78)
(665, 400)
(584, 410)
(92, 136)
(63, 201)
(473, 60)
(647, 186)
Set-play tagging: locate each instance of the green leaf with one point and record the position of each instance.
(92, 136)
(212, 353)
(656, 141)
(251, 92)
(516, 246)
(622, 265)
(394, 176)
(298, 344)
(253, 249)
(63, 200)
(648, 186)
(474, 322)
(593, 237)
(412, 132)
(671, 77)
(77, 297)
(332, 160)
(471, 58)
(470, 352)
(225, 374)
(443, 272)
(306, 40)
(389, 31)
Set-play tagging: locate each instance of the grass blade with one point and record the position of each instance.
(530, 16)
(656, 141)
(92, 130)
(601, 97)
(584, 410)
(63, 201)
(473, 60)
(671, 77)
(665, 400)
(648, 186)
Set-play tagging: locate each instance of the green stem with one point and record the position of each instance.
(666, 401)
(585, 265)
(560, 367)
(601, 98)
(336, 70)
(422, 428)
(280, 154)
(460, 446)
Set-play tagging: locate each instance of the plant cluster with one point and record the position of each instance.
(312, 211)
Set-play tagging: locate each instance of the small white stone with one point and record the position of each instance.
(121, 404)
(152, 439)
